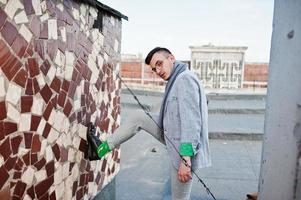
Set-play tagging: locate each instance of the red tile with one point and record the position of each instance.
(62, 98)
(66, 85)
(5, 149)
(4, 53)
(39, 48)
(19, 165)
(21, 77)
(52, 48)
(28, 139)
(33, 158)
(36, 144)
(15, 143)
(11, 67)
(2, 110)
(26, 103)
(44, 30)
(45, 67)
(50, 168)
(56, 151)
(26, 159)
(64, 154)
(35, 121)
(52, 196)
(30, 192)
(20, 189)
(10, 163)
(33, 67)
(46, 93)
(74, 187)
(3, 176)
(72, 89)
(19, 46)
(46, 130)
(47, 111)
(17, 175)
(39, 165)
(56, 84)
(72, 118)
(36, 87)
(3, 17)
(2, 133)
(82, 145)
(29, 50)
(28, 7)
(67, 108)
(10, 127)
(9, 32)
(35, 26)
(54, 101)
(29, 87)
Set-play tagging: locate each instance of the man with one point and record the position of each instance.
(181, 124)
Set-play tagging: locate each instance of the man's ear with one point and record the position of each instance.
(171, 57)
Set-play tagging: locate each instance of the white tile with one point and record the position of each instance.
(106, 57)
(11, 7)
(49, 154)
(37, 106)
(58, 120)
(58, 175)
(71, 155)
(1, 161)
(60, 7)
(27, 197)
(22, 151)
(75, 13)
(52, 117)
(100, 39)
(40, 175)
(93, 12)
(36, 4)
(13, 113)
(41, 126)
(76, 142)
(3, 1)
(27, 176)
(44, 17)
(82, 131)
(63, 34)
(68, 188)
(65, 125)
(83, 9)
(2, 87)
(66, 166)
(70, 58)
(60, 73)
(21, 18)
(43, 147)
(116, 45)
(83, 20)
(51, 73)
(60, 190)
(43, 6)
(100, 61)
(52, 29)
(59, 58)
(25, 120)
(53, 136)
(25, 33)
(41, 80)
(13, 94)
(67, 142)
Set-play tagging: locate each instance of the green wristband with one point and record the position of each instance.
(103, 149)
(186, 149)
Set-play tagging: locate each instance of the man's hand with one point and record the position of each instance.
(184, 172)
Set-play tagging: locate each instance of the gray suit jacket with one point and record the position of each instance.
(186, 120)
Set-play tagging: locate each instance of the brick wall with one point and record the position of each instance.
(256, 72)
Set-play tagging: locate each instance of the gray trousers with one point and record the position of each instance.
(140, 121)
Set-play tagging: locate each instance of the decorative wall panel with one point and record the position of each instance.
(57, 74)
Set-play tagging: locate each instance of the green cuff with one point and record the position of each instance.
(186, 149)
(103, 149)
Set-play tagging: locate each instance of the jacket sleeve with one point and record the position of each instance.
(190, 114)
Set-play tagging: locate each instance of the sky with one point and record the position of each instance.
(178, 24)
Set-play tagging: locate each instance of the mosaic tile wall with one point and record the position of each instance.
(57, 73)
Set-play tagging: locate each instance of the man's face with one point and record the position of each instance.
(162, 64)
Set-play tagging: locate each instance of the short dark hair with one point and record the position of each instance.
(152, 52)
